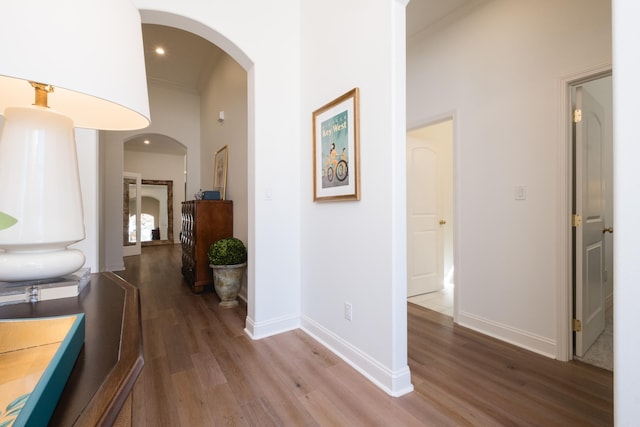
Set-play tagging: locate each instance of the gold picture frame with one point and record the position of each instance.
(336, 149)
(220, 163)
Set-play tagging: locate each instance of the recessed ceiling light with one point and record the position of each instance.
(146, 141)
(160, 50)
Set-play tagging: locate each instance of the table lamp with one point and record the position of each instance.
(63, 64)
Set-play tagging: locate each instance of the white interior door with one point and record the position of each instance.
(131, 232)
(589, 206)
(425, 237)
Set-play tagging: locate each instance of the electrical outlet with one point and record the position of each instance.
(348, 311)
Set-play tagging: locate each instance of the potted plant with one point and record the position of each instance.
(228, 259)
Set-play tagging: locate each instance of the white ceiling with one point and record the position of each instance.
(187, 63)
(158, 143)
(189, 59)
(422, 14)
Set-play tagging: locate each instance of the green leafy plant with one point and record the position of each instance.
(228, 251)
(6, 221)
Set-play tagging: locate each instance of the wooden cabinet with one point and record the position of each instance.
(203, 222)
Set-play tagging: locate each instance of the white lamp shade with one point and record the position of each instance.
(81, 47)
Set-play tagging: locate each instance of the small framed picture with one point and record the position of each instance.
(220, 171)
(336, 156)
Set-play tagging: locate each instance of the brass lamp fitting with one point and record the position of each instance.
(42, 91)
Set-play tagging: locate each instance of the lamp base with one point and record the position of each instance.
(20, 266)
(41, 191)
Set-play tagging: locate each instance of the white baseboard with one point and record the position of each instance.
(119, 267)
(395, 383)
(259, 330)
(518, 337)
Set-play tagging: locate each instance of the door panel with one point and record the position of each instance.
(589, 253)
(425, 249)
(131, 206)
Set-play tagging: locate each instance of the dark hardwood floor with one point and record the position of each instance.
(202, 370)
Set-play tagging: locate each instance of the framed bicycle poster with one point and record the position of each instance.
(336, 156)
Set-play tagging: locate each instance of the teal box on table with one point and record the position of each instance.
(36, 359)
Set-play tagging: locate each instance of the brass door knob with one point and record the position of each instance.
(608, 230)
(443, 222)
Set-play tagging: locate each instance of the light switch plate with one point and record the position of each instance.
(520, 192)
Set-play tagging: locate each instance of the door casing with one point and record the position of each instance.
(129, 250)
(590, 201)
(450, 214)
(564, 294)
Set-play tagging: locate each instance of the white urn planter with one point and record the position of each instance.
(228, 259)
(227, 280)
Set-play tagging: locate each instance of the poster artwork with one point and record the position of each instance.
(335, 150)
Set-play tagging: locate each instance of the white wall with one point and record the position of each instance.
(161, 167)
(87, 151)
(111, 168)
(498, 70)
(355, 251)
(626, 89)
(226, 91)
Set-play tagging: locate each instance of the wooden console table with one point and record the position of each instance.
(98, 391)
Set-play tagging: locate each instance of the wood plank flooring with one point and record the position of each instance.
(202, 370)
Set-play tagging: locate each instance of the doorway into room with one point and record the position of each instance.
(592, 221)
(430, 219)
(158, 161)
